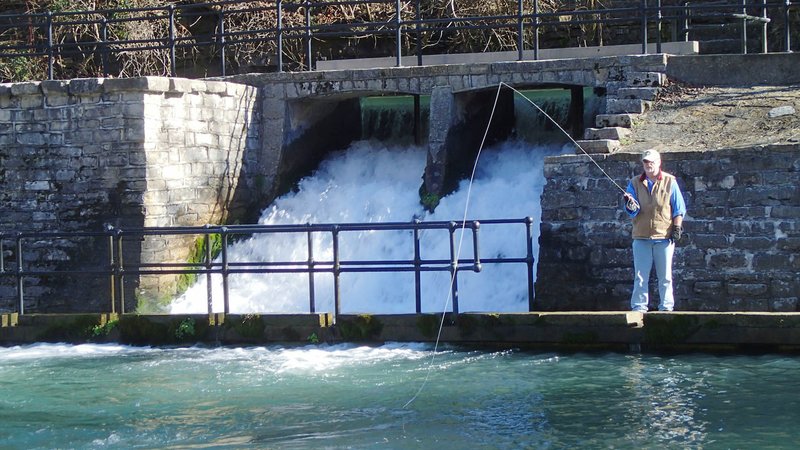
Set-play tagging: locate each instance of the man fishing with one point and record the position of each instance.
(654, 201)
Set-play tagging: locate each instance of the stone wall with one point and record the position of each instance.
(83, 154)
(741, 252)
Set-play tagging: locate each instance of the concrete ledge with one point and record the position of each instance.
(674, 48)
(610, 330)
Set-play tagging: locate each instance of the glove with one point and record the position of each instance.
(677, 233)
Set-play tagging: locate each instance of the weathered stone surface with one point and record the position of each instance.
(598, 146)
(613, 133)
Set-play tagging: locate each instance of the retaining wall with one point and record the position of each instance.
(741, 251)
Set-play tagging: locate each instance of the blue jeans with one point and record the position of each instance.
(646, 253)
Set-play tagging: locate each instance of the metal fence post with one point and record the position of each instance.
(520, 31)
(417, 266)
(49, 16)
(172, 66)
(309, 55)
(417, 24)
(336, 271)
(104, 45)
(786, 21)
(744, 27)
(659, 17)
(476, 254)
(20, 280)
(279, 13)
(535, 30)
(120, 272)
(529, 260)
(453, 267)
(221, 41)
(643, 10)
(209, 287)
(764, 46)
(399, 34)
(312, 306)
(225, 293)
(112, 267)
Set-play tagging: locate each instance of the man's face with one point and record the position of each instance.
(651, 167)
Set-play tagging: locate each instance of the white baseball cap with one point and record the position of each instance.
(651, 155)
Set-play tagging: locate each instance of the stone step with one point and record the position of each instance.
(646, 79)
(627, 105)
(614, 133)
(598, 146)
(639, 93)
(614, 120)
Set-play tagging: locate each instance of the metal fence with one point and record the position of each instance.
(20, 260)
(108, 38)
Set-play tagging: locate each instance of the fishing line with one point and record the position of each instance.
(458, 250)
(630, 203)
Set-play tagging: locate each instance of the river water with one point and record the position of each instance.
(348, 396)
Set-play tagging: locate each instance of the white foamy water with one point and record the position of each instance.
(369, 183)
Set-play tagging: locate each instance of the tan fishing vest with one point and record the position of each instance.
(654, 220)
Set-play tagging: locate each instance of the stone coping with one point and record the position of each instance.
(737, 332)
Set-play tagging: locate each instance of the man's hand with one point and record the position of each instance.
(630, 203)
(677, 233)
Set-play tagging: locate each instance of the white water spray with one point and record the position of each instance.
(373, 183)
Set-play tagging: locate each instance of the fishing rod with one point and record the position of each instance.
(631, 204)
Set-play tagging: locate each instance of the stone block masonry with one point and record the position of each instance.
(743, 232)
(83, 154)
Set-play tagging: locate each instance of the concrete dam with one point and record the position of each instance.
(83, 155)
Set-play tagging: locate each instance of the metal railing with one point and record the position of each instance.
(117, 242)
(109, 36)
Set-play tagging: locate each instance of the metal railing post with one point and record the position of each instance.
(336, 271)
(120, 272)
(104, 45)
(112, 268)
(279, 27)
(417, 267)
(221, 28)
(764, 46)
(535, 30)
(309, 55)
(453, 267)
(659, 17)
(209, 288)
(20, 280)
(49, 16)
(417, 24)
(744, 27)
(643, 11)
(529, 260)
(172, 65)
(520, 31)
(476, 256)
(225, 291)
(786, 21)
(399, 33)
(312, 303)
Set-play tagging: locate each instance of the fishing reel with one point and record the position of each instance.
(631, 204)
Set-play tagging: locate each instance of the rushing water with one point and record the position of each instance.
(345, 396)
(370, 183)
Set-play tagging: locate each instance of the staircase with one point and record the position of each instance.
(626, 99)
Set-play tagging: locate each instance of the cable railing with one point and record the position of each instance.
(25, 257)
(147, 41)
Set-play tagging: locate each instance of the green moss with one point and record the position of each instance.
(197, 257)
(428, 324)
(674, 330)
(141, 330)
(79, 329)
(429, 200)
(249, 326)
(361, 327)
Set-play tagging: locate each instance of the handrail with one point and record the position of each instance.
(118, 241)
(404, 21)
